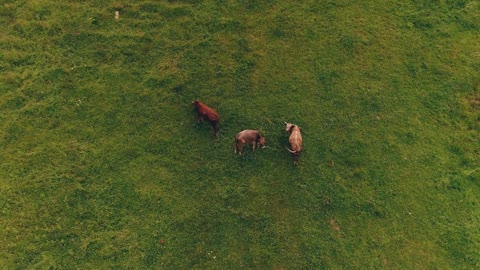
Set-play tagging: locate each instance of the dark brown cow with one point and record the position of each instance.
(248, 136)
(206, 113)
(295, 141)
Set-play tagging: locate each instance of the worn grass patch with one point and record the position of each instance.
(103, 164)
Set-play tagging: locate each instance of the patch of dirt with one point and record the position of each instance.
(335, 227)
(475, 101)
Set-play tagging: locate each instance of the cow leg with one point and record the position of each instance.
(238, 148)
(216, 128)
(295, 158)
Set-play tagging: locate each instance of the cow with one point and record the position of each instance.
(248, 136)
(295, 140)
(206, 113)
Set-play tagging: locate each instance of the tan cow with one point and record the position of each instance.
(295, 140)
(248, 136)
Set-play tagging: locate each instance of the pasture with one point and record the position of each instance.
(103, 166)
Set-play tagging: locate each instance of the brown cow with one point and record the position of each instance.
(206, 113)
(248, 136)
(295, 141)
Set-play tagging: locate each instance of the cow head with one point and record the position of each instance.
(288, 127)
(262, 141)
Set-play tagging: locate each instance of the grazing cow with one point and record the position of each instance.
(295, 141)
(206, 113)
(248, 136)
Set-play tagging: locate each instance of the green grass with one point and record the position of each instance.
(102, 164)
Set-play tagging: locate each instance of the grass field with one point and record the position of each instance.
(102, 164)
